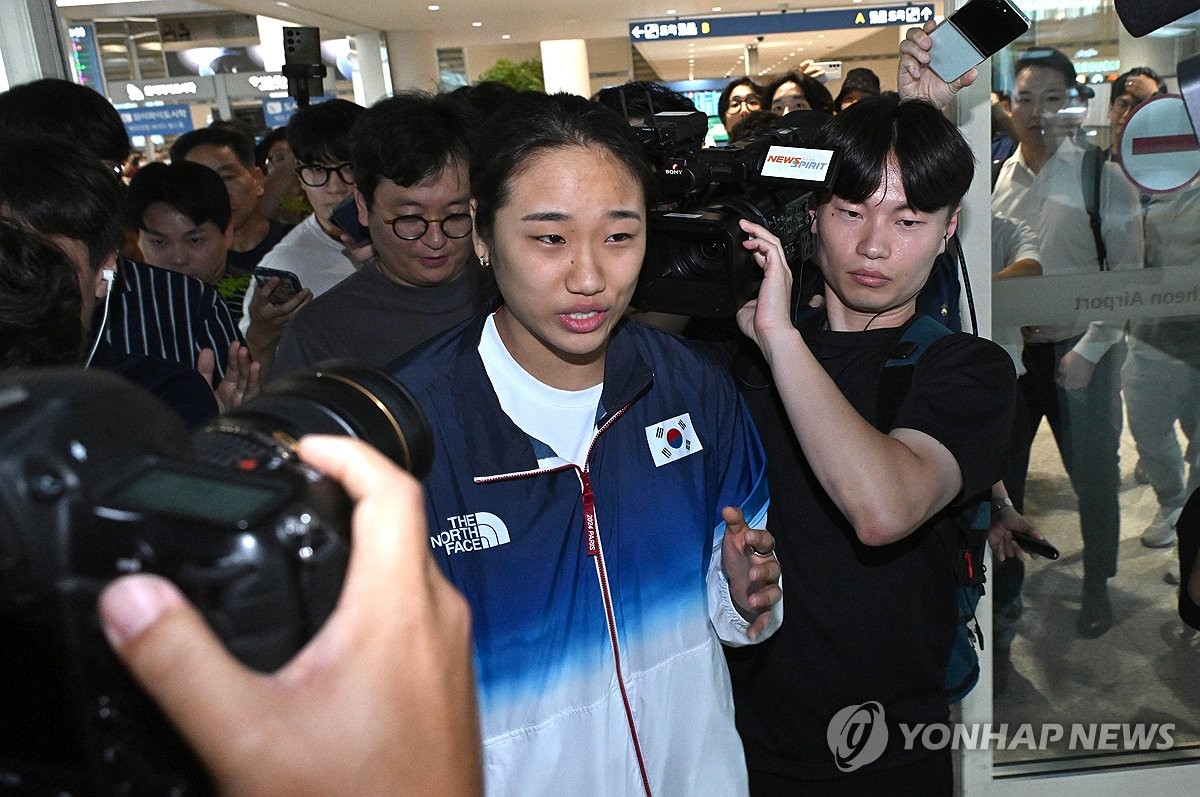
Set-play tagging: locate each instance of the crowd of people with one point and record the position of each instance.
(587, 593)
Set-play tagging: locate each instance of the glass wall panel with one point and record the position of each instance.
(1101, 195)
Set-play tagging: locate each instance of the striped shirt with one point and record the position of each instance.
(169, 315)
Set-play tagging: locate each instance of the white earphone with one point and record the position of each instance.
(109, 275)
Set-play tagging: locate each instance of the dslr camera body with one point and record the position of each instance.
(695, 263)
(99, 479)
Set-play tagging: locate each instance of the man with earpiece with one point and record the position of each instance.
(51, 191)
(863, 469)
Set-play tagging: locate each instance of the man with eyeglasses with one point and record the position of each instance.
(1087, 217)
(411, 155)
(316, 250)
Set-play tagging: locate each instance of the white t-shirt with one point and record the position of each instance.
(308, 252)
(1051, 201)
(565, 420)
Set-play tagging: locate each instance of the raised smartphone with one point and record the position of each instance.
(972, 34)
(345, 216)
(289, 283)
(1035, 546)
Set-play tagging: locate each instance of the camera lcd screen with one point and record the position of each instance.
(218, 500)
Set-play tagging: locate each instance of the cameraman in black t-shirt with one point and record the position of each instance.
(871, 611)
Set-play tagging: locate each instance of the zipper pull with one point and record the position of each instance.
(590, 526)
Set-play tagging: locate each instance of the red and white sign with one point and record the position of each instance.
(1159, 149)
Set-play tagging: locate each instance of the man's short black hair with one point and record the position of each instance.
(262, 150)
(239, 143)
(814, 91)
(193, 189)
(52, 186)
(1118, 85)
(321, 133)
(936, 164)
(39, 301)
(1047, 58)
(410, 137)
(486, 97)
(61, 108)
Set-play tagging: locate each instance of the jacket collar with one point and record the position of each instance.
(495, 445)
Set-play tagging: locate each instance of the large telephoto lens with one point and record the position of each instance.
(340, 399)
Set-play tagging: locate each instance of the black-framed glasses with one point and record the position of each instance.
(410, 228)
(749, 100)
(314, 175)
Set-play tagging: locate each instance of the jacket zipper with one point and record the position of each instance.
(591, 531)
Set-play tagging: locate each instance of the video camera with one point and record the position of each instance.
(99, 479)
(695, 263)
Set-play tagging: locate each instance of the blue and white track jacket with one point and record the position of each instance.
(597, 597)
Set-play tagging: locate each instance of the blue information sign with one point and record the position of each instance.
(278, 110)
(773, 22)
(159, 120)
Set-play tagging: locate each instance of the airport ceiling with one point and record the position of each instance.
(530, 21)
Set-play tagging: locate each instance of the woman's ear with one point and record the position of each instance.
(480, 245)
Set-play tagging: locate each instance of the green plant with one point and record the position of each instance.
(525, 76)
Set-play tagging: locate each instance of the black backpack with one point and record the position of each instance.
(962, 530)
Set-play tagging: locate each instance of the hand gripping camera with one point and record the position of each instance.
(98, 479)
(695, 263)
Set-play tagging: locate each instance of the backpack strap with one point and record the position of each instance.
(963, 530)
(1090, 167)
(897, 376)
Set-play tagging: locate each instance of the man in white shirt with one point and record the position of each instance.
(1073, 370)
(315, 250)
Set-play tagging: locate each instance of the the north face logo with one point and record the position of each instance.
(471, 533)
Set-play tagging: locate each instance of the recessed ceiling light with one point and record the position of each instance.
(434, 8)
(505, 36)
(476, 24)
(671, 12)
(284, 5)
(716, 8)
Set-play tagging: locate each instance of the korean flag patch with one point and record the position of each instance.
(672, 439)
